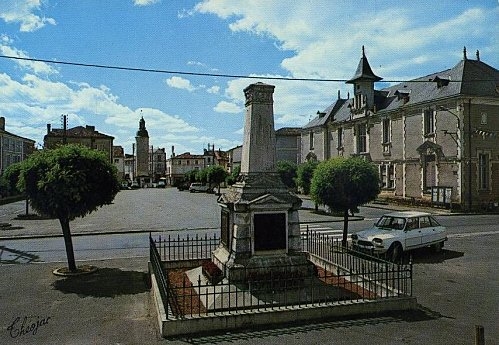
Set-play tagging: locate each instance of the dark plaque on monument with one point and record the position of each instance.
(270, 231)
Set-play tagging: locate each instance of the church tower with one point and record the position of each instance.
(142, 144)
(363, 86)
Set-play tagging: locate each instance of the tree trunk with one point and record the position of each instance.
(69, 243)
(345, 228)
(27, 205)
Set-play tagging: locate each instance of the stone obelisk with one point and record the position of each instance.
(260, 231)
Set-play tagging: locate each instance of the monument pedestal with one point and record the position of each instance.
(260, 233)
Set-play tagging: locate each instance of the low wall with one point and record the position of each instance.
(170, 327)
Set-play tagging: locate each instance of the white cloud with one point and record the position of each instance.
(180, 83)
(196, 63)
(294, 101)
(35, 101)
(23, 12)
(326, 38)
(37, 67)
(227, 107)
(145, 2)
(215, 89)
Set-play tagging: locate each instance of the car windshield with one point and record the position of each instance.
(395, 223)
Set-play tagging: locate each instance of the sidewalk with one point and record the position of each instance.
(111, 306)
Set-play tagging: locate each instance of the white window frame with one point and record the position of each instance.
(428, 122)
(361, 138)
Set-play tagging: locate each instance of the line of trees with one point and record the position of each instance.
(213, 175)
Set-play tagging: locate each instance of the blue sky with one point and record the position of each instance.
(315, 39)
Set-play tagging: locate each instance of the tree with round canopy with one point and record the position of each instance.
(68, 182)
(343, 184)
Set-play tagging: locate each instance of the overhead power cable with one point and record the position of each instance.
(221, 75)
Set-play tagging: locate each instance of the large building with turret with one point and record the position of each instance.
(434, 139)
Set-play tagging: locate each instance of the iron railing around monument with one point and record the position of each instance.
(341, 275)
(396, 276)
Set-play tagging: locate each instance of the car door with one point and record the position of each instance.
(430, 231)
(412, 233)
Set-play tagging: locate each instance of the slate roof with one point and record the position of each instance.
(364, 71)
(329, 112)
(288, 131)
(466, 78)
(187, 155)
(80, 132)
(4, 132)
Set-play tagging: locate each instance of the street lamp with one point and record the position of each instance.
(454, 135)
(458, 141)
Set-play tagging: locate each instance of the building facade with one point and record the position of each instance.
(288, 144)
(157, 163)
(86, 136)
(129, 162)
(13, 148)
(435, 139)
(119, 161)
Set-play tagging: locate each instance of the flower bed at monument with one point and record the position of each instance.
(189, 303)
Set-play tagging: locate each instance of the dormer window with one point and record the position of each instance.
(403, 95)
(441, 82)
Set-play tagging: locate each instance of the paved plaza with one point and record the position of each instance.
(114, 306)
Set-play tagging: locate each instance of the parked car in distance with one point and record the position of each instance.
(183, 186)
(397, 232)
(198, 187)
(134, 185)
(161, 184)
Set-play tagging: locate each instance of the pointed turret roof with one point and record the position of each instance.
(142, 132)
(364, 71)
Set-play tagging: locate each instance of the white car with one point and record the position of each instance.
(397, 232)
(199, 187)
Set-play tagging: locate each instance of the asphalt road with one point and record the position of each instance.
(456, 289)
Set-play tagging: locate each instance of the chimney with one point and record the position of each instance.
(173, 151)
(2, 123)
(49, 128)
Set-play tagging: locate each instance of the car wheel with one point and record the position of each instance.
(437, 247)
(395, 252)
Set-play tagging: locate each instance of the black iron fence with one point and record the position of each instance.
(187, 247)
(340, 275)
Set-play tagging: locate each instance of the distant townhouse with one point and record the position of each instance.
(435, 139)
(157, 163)
(119, 161)
(288, 148)
(178, 165)
(288, 144)
(129, 167)
(13, 148)
(86, 136)
(234, 158)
